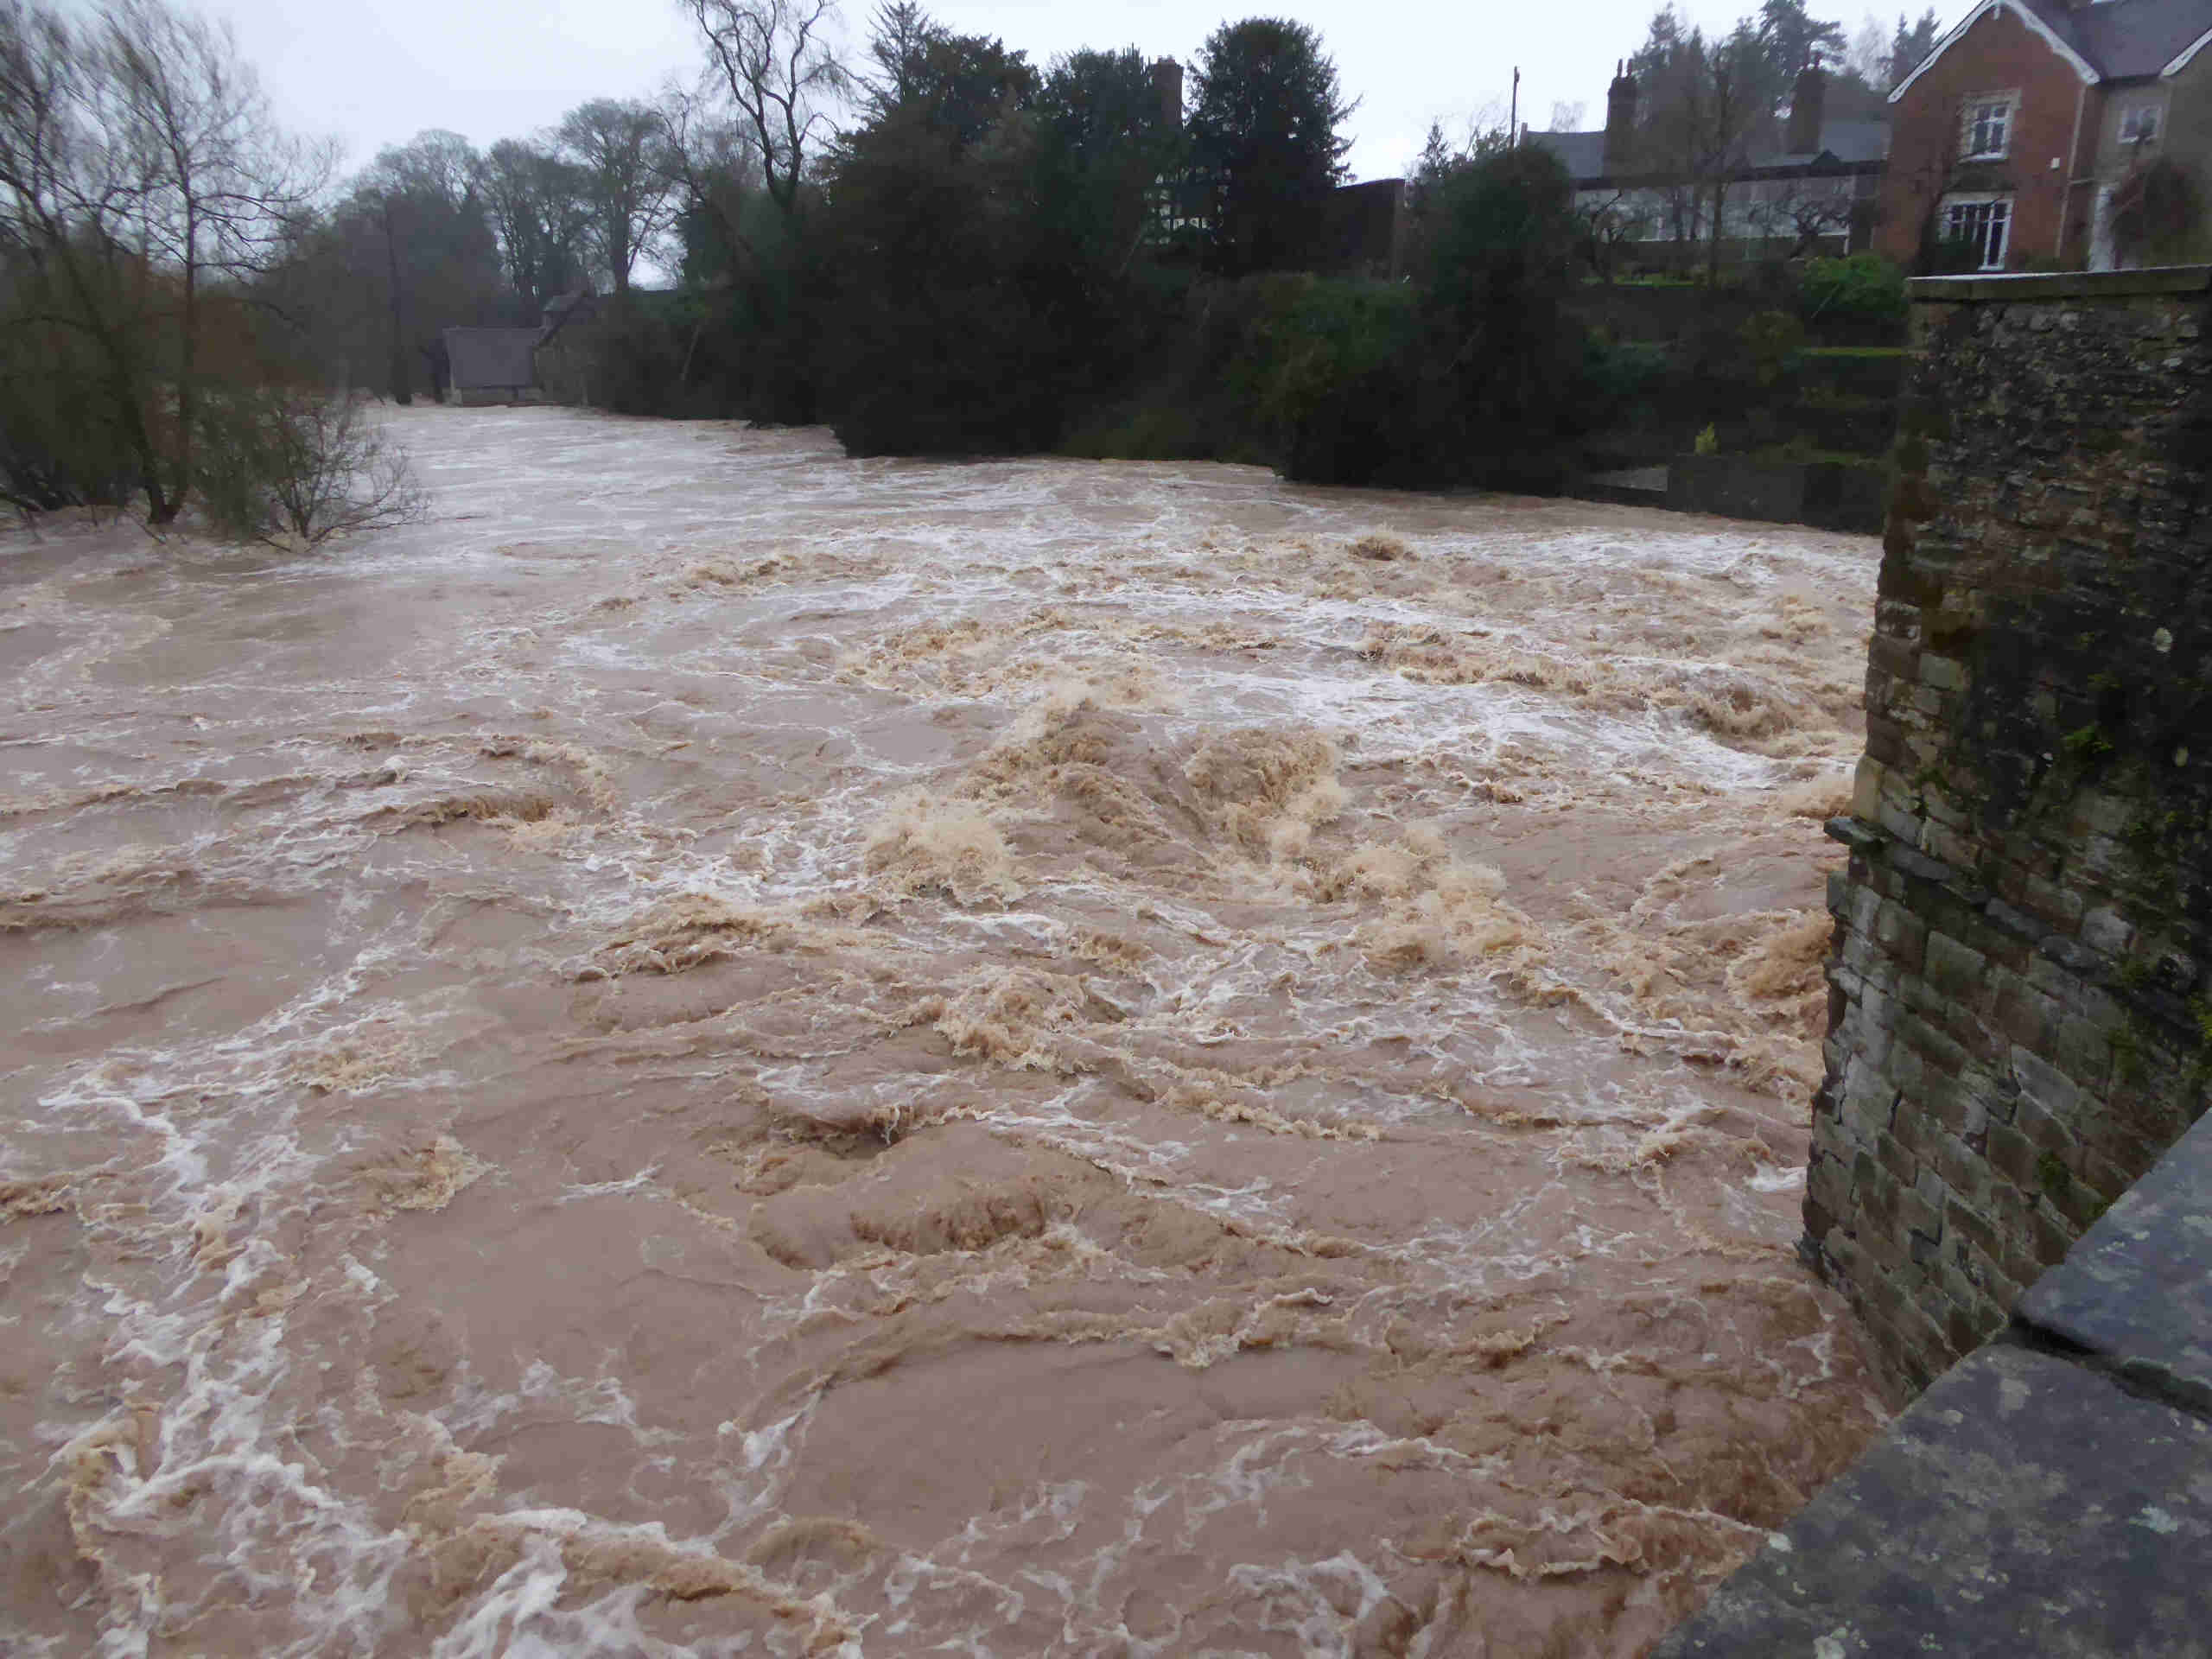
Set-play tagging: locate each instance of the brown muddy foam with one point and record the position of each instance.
(723, 1050)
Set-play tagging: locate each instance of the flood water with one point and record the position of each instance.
(720, 1051)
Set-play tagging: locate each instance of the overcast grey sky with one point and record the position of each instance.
(377, 72)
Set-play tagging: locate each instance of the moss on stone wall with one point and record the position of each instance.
(2025, 933)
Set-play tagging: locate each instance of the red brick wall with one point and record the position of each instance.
(1998, 53)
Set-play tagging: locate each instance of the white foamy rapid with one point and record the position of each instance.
(720, 1050)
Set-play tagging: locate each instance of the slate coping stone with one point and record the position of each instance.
(2135, 1295)
(2023, 1506)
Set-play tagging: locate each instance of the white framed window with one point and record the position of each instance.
(1984, 222)
(2139, 126)
(1988, 127)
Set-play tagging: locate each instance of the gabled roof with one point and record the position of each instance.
(1583, 154)
(489, 358)
(1844, 142)
(2110, 40)
(1856, 140)
(2128, 39)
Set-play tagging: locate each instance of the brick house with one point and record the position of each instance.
(2027, 134)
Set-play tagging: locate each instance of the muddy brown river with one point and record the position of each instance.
(720, 1050)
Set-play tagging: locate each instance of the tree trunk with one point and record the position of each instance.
(402, 385)
(188, 389)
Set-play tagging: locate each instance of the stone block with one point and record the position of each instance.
(1955, 969)
(1862, 911)
(2001, 1287)
(1900, 933)
(1947, 843)
(1828, 1183)
(2053, 1235)
(1899, 1160)
(2135, 1291)
(1944, 673)
(2049, 1091)
(2092, 1509)
(1976, 1228)
(1964, 1170)
(1917, 1215)
(2023, 1014)
(1940, 1052)
(2083, 1050)
(2105, 929)
(2010, 1154)
(2060, 906)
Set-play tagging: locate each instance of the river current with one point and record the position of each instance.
(720, 1050)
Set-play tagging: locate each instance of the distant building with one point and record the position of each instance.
(1812, 188)
(491, 365)
(2034, 129)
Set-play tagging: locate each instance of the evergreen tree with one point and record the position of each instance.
(1264, 133)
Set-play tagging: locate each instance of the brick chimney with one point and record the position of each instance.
(1620, 118)
(1168, 86)
(1808, 107)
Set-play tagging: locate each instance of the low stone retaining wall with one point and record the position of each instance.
(1828, 494)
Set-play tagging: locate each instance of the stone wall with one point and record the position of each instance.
(2020, 1011)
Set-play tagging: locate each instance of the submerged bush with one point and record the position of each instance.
(287, 467)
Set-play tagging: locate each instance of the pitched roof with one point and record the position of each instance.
(2106, 39)
(1583, 154)
(484, 358)
(1843, 141)
(2127, 38)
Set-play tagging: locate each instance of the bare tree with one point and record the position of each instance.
(711, 169)
(535, 204)
(616, 148)
(774, 61)
(1731, 105)
(416, 211)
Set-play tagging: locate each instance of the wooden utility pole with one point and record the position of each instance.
(1513, 113)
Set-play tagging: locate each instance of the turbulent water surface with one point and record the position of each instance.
(720, 1050)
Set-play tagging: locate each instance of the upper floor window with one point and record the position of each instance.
(1988, 126)
(2140, 124)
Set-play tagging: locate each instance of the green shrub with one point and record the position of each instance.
(1772, 340)
(1864, 286)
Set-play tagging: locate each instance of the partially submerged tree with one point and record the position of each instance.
(143, 185)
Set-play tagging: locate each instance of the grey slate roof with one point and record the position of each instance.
(2123, 39)
(1848, 141)
(1583, 153)
(1858, 140)
(484, 360)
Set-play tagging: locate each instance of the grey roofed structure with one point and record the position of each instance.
(491, 365)
(1848, 141)
(1583, 154)
(1847, 146)
(2125, 39)
(2117, 40)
